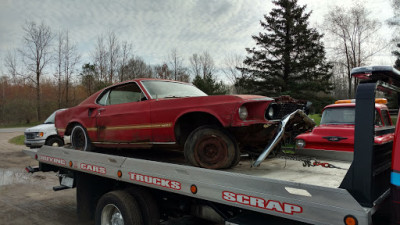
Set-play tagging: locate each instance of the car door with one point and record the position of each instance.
(124, 117)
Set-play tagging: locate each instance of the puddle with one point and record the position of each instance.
(8, 177)
(19, 176)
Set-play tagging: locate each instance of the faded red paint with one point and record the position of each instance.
(154, 120)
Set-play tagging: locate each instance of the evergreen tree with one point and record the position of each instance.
(209, 85)
(289, 57)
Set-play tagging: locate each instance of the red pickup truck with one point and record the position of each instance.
(336, 130)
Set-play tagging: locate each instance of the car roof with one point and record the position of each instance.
(380, 106)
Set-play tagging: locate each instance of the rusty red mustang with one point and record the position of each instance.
(145, 113)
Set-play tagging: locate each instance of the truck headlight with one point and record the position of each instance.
(39, 134)
(300, 143)
(243, 113)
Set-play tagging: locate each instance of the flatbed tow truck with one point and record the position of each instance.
(286, 189)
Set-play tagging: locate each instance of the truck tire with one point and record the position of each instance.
(54, 141)
(147, 203)
(211, 147)
(118, 207)
(80, 139)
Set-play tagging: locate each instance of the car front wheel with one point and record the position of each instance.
(80, 139)
(55, 142)
(211, 147)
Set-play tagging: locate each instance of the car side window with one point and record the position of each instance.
(104, 98)
(125, 94)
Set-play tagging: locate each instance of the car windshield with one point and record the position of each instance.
(338, 115)
(50, 119)
(168, 89)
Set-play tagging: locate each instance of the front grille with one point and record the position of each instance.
(286, 105)
(29, 136)
(286, 108)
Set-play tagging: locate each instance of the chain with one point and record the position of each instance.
(307, 161)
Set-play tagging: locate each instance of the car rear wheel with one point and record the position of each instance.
(211, 147)
(80, 139)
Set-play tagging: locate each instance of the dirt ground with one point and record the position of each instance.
(28, 198)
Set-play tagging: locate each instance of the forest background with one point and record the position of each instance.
(289, 57)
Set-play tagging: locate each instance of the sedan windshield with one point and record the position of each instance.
(168, 89)
(338, 115)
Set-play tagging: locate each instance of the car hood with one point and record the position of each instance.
(40, 128)
(225, 98)
(341, 130)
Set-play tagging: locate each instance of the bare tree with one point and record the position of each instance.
(207, 64)
(175, 62)
(113, 55)
(355, 37)
(11, 63)
(202, 65)
(162, 71)
(59, 59)
(36, 55)
(137, 68)
(231, 71)
(195, 65)
(100, 56)
(71, 59)
(126, 49)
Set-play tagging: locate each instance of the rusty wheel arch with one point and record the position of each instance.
(190, 121)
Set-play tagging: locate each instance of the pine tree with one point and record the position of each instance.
(289, 57)
(209, 85)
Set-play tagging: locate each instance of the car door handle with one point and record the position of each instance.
(100, 110)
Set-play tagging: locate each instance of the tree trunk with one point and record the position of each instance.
(38, 109)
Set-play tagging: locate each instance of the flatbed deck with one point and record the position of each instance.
(278, 187)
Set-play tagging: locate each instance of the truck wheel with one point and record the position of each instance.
(148, 205)
(211, 147)
(54, 141)
(118, 207)
(80, 139)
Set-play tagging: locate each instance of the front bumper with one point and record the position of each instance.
(34, 143)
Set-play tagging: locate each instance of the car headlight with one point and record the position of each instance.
(39, 134)
(300, 143)
(243, 113)
(270, 112)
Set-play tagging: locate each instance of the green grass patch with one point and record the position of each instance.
(394, 119)
(18, 140)
(316, 118)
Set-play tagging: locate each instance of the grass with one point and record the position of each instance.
(394, 119)
(316, 118)
(18, 140)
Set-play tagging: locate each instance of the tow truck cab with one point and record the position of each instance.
(336, 130)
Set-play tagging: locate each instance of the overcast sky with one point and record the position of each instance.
(221, 27)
